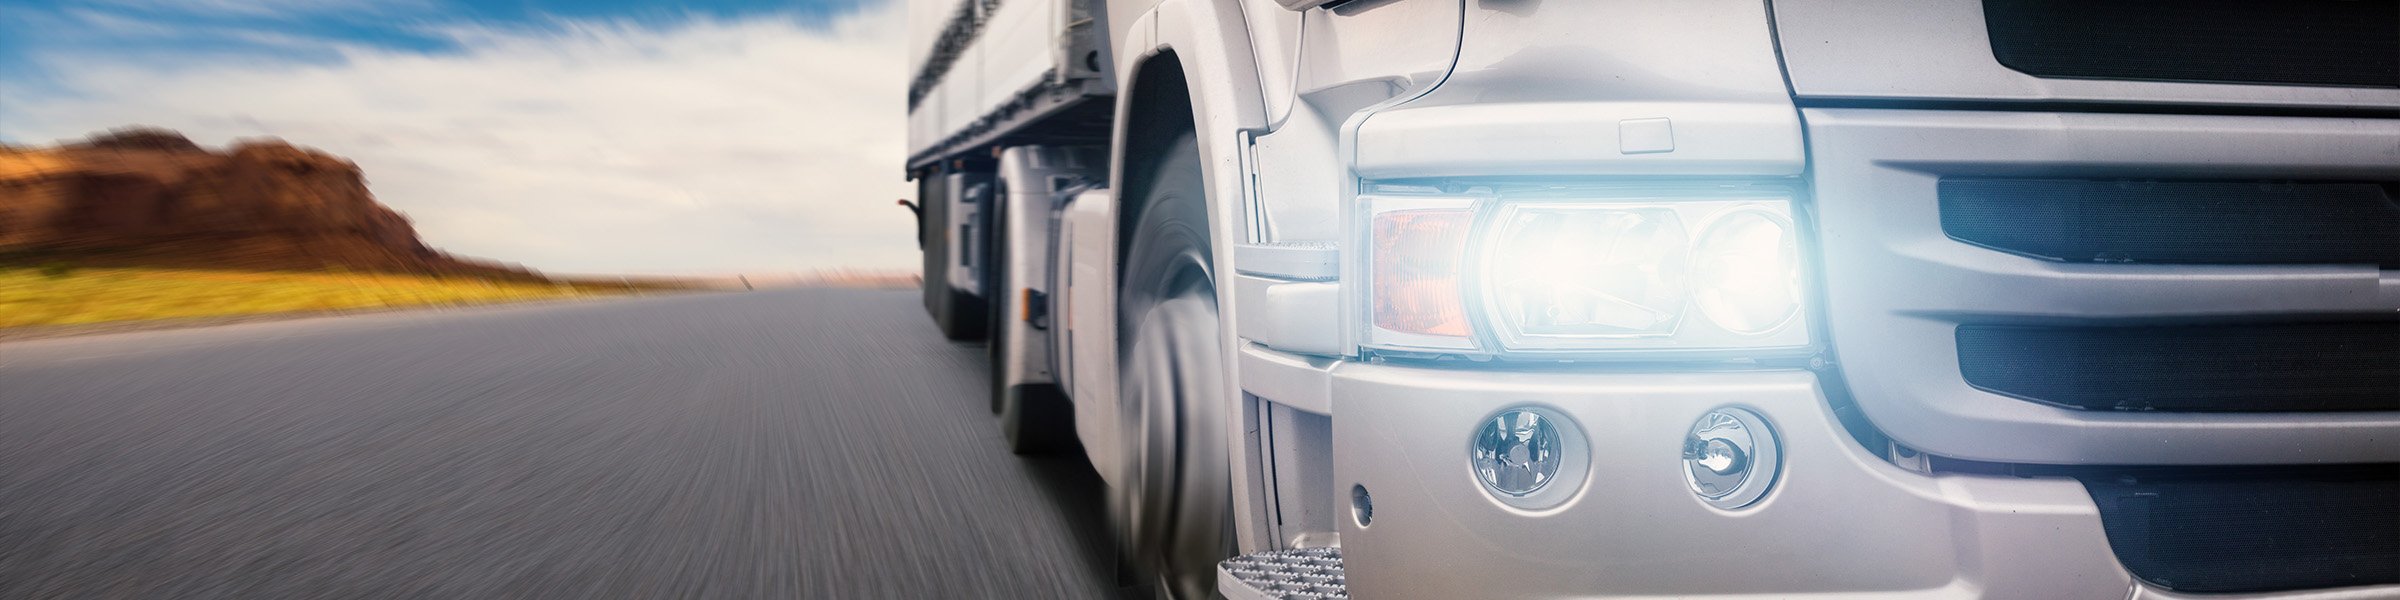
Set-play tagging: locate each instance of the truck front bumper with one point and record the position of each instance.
(1839, 521)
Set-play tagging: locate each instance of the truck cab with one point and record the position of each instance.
(1702, 298)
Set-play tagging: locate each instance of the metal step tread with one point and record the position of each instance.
(1298, 574)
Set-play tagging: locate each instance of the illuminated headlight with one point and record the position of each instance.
(1702, 270)
(1746, 269)
(1562, 272)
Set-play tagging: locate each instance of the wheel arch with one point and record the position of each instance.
(1189, 63)
(1179, 42)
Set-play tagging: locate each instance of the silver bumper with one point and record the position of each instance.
(1839, 522)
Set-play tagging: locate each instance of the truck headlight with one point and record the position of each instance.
(1747, 270)
(1699, 269)
(1553, 272)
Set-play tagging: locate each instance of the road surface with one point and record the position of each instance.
(807, 443)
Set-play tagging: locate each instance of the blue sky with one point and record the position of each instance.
(38, 38)
(751, 136)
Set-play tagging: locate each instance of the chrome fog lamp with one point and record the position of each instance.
(1521, 456)
(1517, 453)
(1731, 458)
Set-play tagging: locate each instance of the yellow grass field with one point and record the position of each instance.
(32, 297)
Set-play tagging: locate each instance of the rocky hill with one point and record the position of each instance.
(151, 197)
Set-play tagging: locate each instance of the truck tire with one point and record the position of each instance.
(956, 313)
(1034, 417)
(1175, 514)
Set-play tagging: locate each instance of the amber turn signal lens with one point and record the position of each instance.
(1416, 262)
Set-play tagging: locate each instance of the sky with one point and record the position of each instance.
(571, 136)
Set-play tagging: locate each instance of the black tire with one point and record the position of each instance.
(960, 316)
(1175, 509)
(1035, 418)
(1039, 421)
(1001, 286)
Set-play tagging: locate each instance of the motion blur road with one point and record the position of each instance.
(806, 443)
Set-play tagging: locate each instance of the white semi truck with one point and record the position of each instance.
(1688, 298)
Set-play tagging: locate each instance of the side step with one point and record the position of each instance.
(1300, 574)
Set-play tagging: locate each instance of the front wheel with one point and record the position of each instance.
(1174, 509)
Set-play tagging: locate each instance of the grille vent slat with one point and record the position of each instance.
(2280, 42)
(2177, 221)
(2300, 367)
(2287, 528)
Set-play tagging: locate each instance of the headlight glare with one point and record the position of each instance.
(1596, 272)
(1747, 271)
(1586, 271)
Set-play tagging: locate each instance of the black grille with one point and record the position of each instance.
(2177, 221)
(2290, 42)
(2255, 530)
(2215, 368)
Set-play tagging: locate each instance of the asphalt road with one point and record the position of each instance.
(810, 443)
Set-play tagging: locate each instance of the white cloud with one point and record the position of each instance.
(703, 147)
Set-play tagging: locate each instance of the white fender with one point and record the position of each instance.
(1211, 40)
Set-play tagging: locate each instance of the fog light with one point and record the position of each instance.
(1731, 458)
(1517, 453)
(1722, 457)
(1530, 457)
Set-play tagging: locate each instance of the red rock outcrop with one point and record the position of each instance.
(151, 197)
